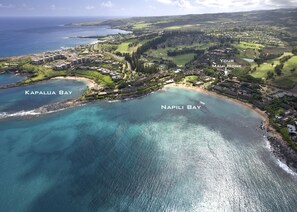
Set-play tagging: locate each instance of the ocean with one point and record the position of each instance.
(9, 78)
(26, 35)
(133, 156)
(129, 155)
(24, 98)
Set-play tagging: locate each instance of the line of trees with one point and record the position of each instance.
(138, 65)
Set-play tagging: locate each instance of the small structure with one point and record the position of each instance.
(169, 81)
(292, 129)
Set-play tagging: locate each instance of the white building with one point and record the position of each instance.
(292, 129)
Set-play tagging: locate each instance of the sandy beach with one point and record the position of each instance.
(280, 148)
(91, 83)
(262, 114)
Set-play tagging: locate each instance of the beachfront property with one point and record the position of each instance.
(47, 57)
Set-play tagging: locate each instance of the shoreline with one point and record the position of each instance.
(90, 83)
(279, 148)
(249, 106)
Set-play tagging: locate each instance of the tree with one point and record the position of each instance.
(270, 75)
(259, 61)
(278, 69)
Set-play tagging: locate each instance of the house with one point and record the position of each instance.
(199, 83)
(169, 81)
(292, 129)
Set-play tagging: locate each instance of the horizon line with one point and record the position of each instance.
(126, 16)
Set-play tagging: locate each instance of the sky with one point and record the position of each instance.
(134, 7)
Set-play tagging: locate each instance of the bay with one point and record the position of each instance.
(30, 97)
(134, 156)
(9, 78)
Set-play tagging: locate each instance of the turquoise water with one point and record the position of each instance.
(133, 156)
(16, 99)
(9, 78)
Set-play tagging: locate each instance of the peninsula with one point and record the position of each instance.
(250, 57)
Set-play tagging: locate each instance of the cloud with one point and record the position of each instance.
(240, 4)
(151, 7)
(282, 3)
(184, 4)
(227, 3)
(165, 1)
(53, 7)
(89, 7)
(6, 6)
(26, 7)
(107, 4)
(214, 6)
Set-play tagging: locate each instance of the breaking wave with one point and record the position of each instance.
(4, 115)
(37, 112)
(286, 168)
(281, 164)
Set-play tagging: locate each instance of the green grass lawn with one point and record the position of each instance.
(289, 65)
(248, 50)
(261, 72)
(181, 60)
(159, 53)
(246, 45)
(179, 27)
(40, 72)
(189, 79)
(124, 47)
(141, 25)
(173, 28)
(99, 78)
(287, 80)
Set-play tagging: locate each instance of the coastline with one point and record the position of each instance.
(261, 113)
(280, 148)
(91, 83)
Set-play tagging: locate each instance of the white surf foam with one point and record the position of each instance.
(286, 168)
(22, 113)
(281, 164)
(267, 143)
(36, 112)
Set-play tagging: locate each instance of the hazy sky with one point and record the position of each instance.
(133, 7)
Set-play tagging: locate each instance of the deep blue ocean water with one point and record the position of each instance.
(133, 156)
(34, 35)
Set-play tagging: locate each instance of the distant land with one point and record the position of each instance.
(172, 113)
(247, 56)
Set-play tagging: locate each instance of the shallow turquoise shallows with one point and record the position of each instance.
(133, 156)
(9, 78)
(30, 97)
